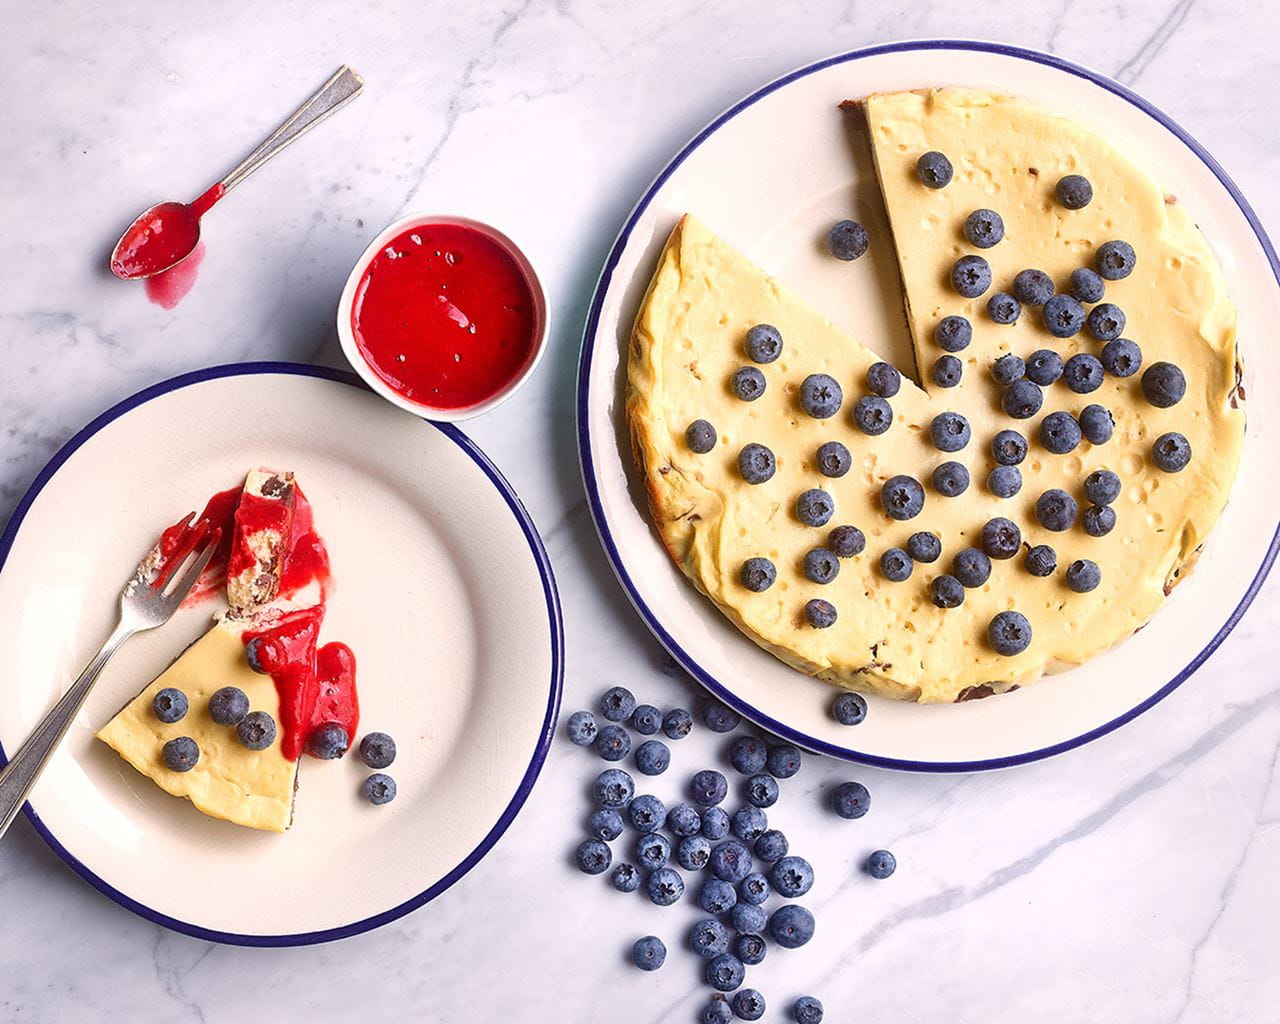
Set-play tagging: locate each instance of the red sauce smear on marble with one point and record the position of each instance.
(445, 316)
(169, 287)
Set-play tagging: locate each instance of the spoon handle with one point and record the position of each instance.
(341, 89)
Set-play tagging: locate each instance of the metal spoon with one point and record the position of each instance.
(164, 235)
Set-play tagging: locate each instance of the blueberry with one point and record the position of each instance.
(253, 654)
(946, 591)
(377, 750)
(846, 541)
(924, 547)
(1121, 358)
(756, 463)
(181, 754)
(883, 380)
(647, 813)
(953, 333)
(605, 824)
(750, 823)
(984, 228)
(700, 436)
(613, 789)
(820, 614)
(725, 973)
(730, 861)
(1097, 424)
(881, 864)
(896, 565)
(748, 1004)
(652, 757)
(593, 857)
(748, 383)
(230, 704)
(1083, 373)
(950, 479)
(785, 760)
(664, 887)
(1003, 308)
(709, 938)
(833, 459)
(1008, 368)
(947, 371)
(170, 705)
(1008, 448)
(1032, 287)
(1042, 560)
(683, 820)
(1001, 538)
(1115, 260)
(807, 1010)
(646, 719)
(652, 850)
(1060, 433)
(256, 731)
(617, 704)
(872, 415)
(717, 896)
(791, 926)
(792, 876)
(716, 1012)
(1098, 520)
(1083, 575)
(1102, 487)
(1074, 191)
(625, 878)
(850, 800)
(820, 396)
(379, 788)
(750, 947)
(752, 891)
(1009, 633)
(582, 728)
(949, 432)
(772, 845)
(934, 170)
(815, 507)
(757, 574)
(821, 566)
(762, 791)
(1022, 399)
(902, 497)
(971, 567)
(676, 723)
(718, 718)
(613, 743)
(693, 852)
(748, 755)
(764, 343)
(1056, 510)
(708, 787)
(1004, 481)
(1106, 321)
(847, 240)
(971, 276)
(1163, 385)
(715, 823)
(649, 953)
(1171, 452)
(1063, 316)
(1044, 367)
(1087, 285)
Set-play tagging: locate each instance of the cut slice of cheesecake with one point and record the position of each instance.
(260, 537)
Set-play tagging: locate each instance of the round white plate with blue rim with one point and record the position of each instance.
(770, 175)
(441, 586)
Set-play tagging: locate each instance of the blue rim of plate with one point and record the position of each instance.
(553, 700)
(686, 660)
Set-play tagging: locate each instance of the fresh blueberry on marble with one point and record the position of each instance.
(613, 788)
(1001, 538)
(1032, 287)
(850, 800)
(747, 383)
(820, 396)
(605, 824)
(649, 953)
(647, 813)
(785, 760)
(1063, 316)
(257, 731)
(1003, 308)
(772, 845)
(700, 436)
(1008, 368)
(328, 742)
(1060, 434)
(683, 820)
(709, 938)
(725, 973)
(1083, 575)
(618, 704)
(652, 850)
(665, 887)
(953, 334)
(1087, 285)
(947, 371)
(1098, 520)
(652, 757)
(1056, 510)
(984, 228)
(764, 343)
(693, 852)
(750, 947)
(1022, 399)
(950, 479)
(1121, 358)
(1115, 260)
(934, 170)
(762, 791)
(625, 878)
(750, 823)
(756, 463)
(1171, 452)
(922, 547)
(1106, 321)
(181, 754)
(379, 788)
(708, 787)
(872, 415)
(1102, 487)
(821, 566)
(807, 1010)
(881, 864)
(752, 891)
(230, 704)
(846, 541)
(676, 723)
(715, 823)
(971, 567)
(377, 750)
(718, 718)
(747, 755)
(717, 896)
(820, 614)
(613, 743)
(1004, 481)
(1042, 560)
(1009, 633)
(971, 276)
(730, 861)
(896, 565)
(748, 1004)
(1074, 191)
(833, 459)
(1008, 448)
(1163, 385)
(815, 507)
(791, 926)
(1083, 373)
(949, 432)
(791, 877)
(594, 857)
(716, 1012)
(646, 719)
(757, 574)
(1097, 424)
(1044, 367)
(946, 591)
(171, 705)
(847, 240)
(883, 380)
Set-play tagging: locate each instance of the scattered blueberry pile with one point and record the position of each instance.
(745, 861)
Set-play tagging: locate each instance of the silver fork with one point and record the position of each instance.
(148, 599)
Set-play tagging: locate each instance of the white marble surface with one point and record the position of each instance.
(1132, 881)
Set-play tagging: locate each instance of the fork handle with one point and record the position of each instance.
(22, 771)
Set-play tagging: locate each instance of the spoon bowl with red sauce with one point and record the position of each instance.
(443, 316)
